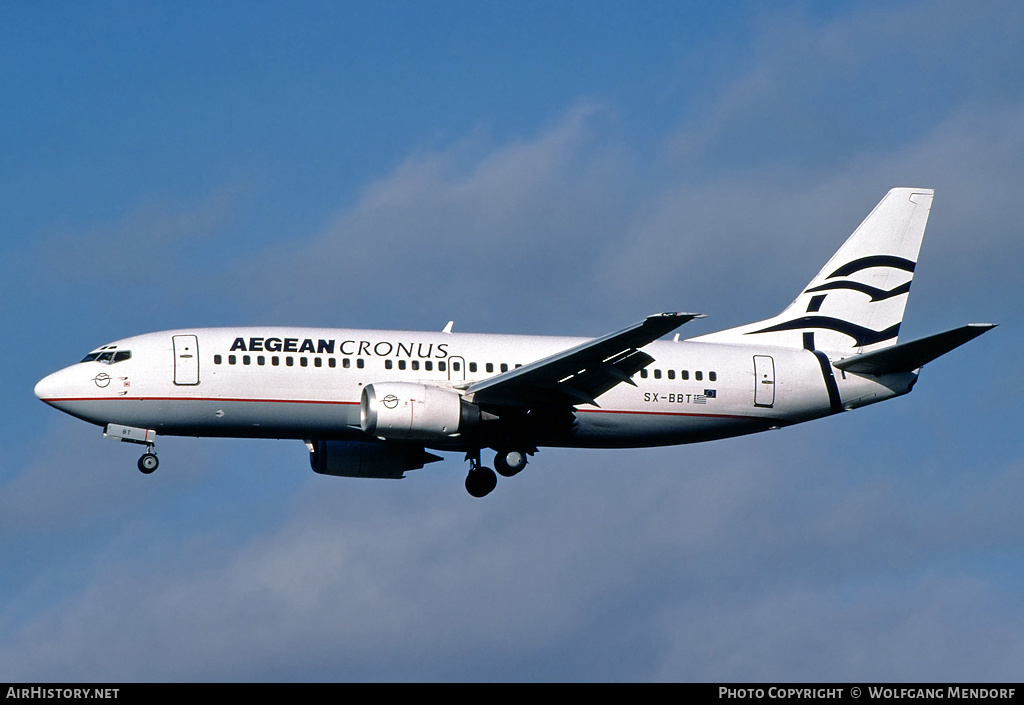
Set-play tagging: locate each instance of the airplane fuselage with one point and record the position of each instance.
(306, 383)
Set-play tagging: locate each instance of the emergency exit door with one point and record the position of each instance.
(764, 380)
(186, 359)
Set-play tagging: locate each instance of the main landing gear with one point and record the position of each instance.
(481, 480)
(509, 462)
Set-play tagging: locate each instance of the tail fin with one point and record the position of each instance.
(855, 304)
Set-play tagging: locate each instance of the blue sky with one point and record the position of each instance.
(551, 167)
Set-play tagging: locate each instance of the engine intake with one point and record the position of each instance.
(406, 411)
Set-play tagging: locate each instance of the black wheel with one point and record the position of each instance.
(148, 463)
(509, 462)
(480, 482)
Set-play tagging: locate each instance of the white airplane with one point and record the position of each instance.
(369, 403)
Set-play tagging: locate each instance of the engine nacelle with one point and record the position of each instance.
(379, 460)
(403, 411)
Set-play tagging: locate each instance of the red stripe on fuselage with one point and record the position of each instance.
(355, 403)
(671, 413)
(273, 401)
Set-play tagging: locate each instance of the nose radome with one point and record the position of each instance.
(42, 389)
(49, 387)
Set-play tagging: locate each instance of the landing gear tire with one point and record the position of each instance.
(148, 463)
(509, 463)
(481, 481)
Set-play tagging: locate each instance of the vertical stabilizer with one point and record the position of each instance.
(855, 304)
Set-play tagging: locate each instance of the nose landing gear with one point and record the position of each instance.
(148, 462)
(144, 436)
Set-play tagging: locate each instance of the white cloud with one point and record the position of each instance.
(728, 561)
(467, 229)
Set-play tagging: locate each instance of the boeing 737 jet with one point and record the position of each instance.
(374, 403)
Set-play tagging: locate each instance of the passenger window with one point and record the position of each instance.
(643, 373)
(504, 367)
(304, 361)
(685, 374)
(671, 374)
(331, 362)
(317, 362)
(428, 365)
(698, 375)
(712, 377)
(360, 363)
(415, 364)
(442, 366)
(232, 359)
(657, 374)
(489, 367)
(456, 367)
(217, 359)
(401, 364)
(289, 361)
(388, 364)
(260, 360)
(275, 361)
(346, 362)
(246, 359)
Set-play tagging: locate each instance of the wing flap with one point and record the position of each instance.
(580, 374)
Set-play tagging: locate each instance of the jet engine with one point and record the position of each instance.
(378, 460)
(403, 411)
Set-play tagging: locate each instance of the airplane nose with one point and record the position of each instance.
(48, 387)
(42, 389)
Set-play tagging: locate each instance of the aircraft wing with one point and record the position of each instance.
(580, 374)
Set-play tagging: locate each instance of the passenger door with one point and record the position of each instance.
(186, 359)
(764, 381)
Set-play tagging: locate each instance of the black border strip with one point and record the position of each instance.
(834, 401)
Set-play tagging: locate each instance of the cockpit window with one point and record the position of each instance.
(108, 357)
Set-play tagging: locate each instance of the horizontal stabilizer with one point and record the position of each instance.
(910, 356)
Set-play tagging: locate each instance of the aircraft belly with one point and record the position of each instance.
(226, 418)
(632, 429)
